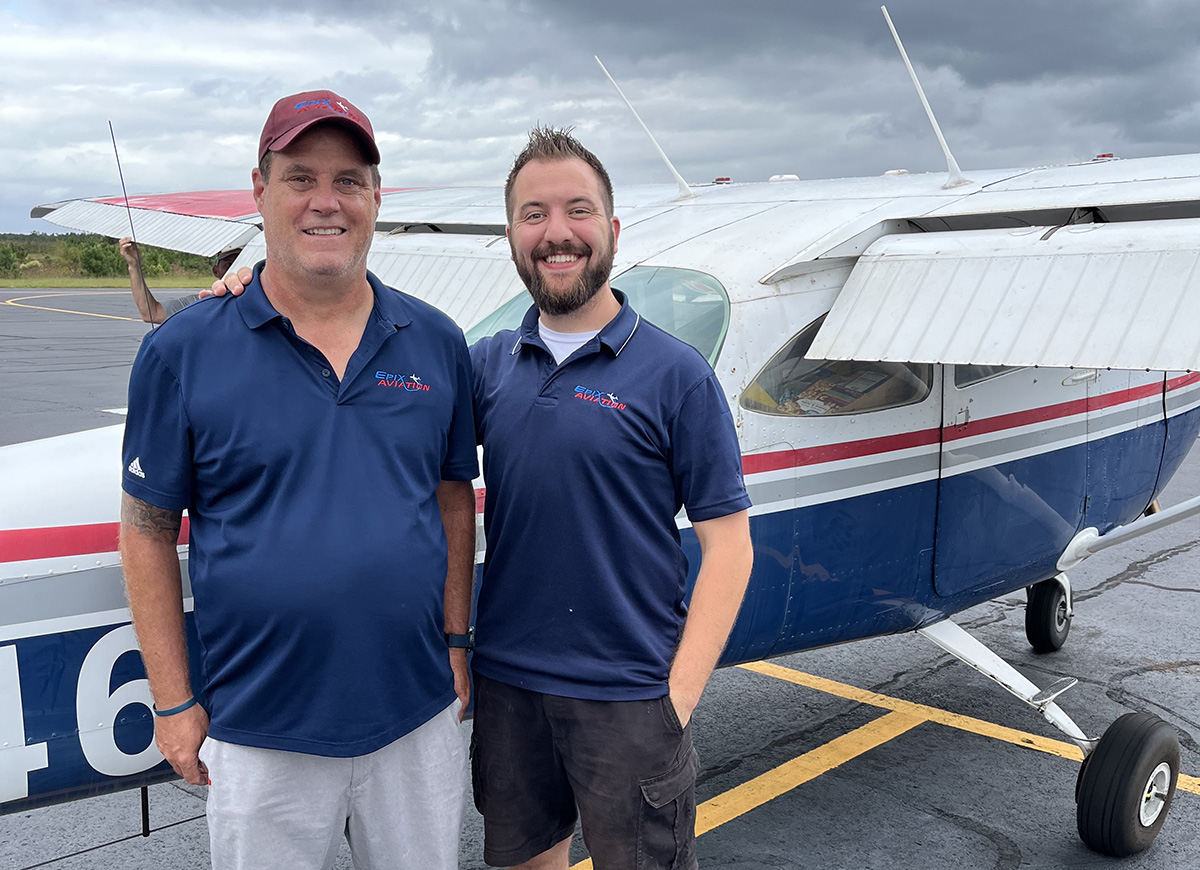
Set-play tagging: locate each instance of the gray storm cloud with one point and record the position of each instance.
(744, 90)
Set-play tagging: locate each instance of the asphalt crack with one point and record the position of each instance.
(1008, 853)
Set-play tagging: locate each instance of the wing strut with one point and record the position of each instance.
(952, 638)
(956, 178)
(1089, 541)
(685, 192)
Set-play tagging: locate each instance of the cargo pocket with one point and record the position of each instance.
(667, 822)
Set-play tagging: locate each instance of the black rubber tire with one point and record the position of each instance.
(1047, 622)
(1113, 782)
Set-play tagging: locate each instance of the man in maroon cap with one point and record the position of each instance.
(321, 439)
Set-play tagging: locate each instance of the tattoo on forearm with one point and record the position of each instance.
(148, 519)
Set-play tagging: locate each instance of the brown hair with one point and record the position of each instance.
(555, 143)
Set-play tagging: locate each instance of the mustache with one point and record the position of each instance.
(549, 249)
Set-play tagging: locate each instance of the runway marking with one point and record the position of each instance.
(16, 303)
(933, 714)
(902, 717)
(752, 794)
(942, 717)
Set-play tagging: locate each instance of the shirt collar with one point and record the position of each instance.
(614, 335)
(390, 308)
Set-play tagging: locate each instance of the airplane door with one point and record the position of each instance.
(1126, 434)
(1013, 478)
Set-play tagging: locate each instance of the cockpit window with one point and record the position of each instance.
(690, 305)
(965, 376)
(792, 386)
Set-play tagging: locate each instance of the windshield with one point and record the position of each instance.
(690, 305)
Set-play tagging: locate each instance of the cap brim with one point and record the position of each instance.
(370, 149)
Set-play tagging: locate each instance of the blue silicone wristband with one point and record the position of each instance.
(186, 705)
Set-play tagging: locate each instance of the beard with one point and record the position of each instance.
(559, 302)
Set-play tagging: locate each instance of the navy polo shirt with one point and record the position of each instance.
(317, 553)
(587, 464)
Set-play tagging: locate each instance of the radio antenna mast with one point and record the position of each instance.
(685, 192)
(956, 178)
(137, 253)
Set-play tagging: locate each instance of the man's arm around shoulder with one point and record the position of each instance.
(155, 590)
(726, 558)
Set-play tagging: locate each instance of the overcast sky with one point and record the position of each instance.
(742, 89)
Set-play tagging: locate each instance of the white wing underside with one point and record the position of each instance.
(205, 236)
(1122, 295)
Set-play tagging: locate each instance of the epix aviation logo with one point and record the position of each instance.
(605, 400)
(411, 383)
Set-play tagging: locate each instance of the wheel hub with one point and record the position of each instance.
(1155, 796)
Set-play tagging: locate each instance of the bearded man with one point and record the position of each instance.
(596, 428)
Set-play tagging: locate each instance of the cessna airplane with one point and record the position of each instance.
(946, 389)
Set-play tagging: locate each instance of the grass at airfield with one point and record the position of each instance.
(187, 281)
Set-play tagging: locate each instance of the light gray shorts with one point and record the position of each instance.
(400, 808)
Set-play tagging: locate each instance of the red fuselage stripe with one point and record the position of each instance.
(759, 462)
(20, 545)
(1052, 412)
(777, 460)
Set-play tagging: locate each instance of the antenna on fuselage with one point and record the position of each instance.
(956, 178)
(685, 192)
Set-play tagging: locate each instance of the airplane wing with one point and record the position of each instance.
(212, 221)
(1116, 295)
(1045, 266)
(204, 223)
(443, 245)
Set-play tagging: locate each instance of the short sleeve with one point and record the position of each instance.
(171, 306)
(157, 453)
(462, 461)
(706, 462)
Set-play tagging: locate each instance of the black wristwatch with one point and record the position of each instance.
(461, 641)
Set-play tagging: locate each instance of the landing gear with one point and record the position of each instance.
(1048, 614)
(1128, 777)
(1126, 785)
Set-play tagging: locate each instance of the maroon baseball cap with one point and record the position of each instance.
(292, 115)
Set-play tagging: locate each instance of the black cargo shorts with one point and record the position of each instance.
(628, 766)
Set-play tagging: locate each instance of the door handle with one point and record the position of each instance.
(1081, 376)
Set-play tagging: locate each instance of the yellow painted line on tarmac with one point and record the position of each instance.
(933, 714)
(770, 785)
(16, 303)
(942, 717)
